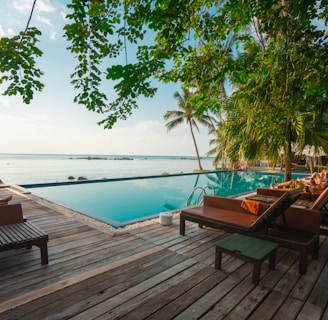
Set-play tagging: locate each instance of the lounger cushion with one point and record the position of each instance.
(251, 206)
(222, 216)
(11, 213)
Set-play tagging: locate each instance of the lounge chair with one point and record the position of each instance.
(232, 215)
(321, 202)
(15, 233)
(269, 195)
(298, 230)
(306, 200)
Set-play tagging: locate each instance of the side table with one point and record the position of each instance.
(248, 249)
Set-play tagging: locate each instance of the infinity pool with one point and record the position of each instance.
(121, 202)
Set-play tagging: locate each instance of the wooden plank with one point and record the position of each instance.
(38, 294)
(85, 260)
(187, 243)
(270, 280)
(248, 304)
(171, 302)
(325, 315)
(310, 311)
(202, 246)
(231, 264)
(288, 281)
(58, 251)
(157, 235)
(144, 290)
(318, 295)
(147, 230)
(223, 303)
(121, 282)
(94, 290)
(269, 307)
(289, 309)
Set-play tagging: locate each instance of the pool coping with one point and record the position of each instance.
(102, 226)
(113, 226)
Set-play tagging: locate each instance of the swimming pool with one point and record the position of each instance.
(120, 202)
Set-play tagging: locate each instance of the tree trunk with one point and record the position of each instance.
(197, 153)
(310, 163)
(288, 161)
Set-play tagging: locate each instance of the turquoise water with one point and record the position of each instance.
(127, 201)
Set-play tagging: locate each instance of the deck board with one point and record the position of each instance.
(149, 272)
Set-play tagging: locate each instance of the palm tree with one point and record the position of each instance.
(220, 145)
(188, 114)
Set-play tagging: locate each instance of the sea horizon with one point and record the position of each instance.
(5, 154)
(30, 168)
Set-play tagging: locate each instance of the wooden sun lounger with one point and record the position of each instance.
(307, 200)
(15, 233)
(294, 228)
(268, 195)
(232, 215)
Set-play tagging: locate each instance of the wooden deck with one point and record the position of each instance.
(150, 272)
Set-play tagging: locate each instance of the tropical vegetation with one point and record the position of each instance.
(187, 113)
(260, 66)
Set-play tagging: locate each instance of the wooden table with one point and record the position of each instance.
(248, 249)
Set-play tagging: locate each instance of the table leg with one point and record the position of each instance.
(256, 272)
(272, 259)
(218, 258)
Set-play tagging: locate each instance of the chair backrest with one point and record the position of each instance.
(270, 192)
(10, 214)
(268, 217)
(321, 201)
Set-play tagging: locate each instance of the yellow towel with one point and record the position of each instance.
(251, 206)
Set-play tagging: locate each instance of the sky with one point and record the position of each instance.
(53, 124)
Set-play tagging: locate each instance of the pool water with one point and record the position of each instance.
(125, 201)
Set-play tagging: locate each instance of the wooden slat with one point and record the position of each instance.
(27, 298)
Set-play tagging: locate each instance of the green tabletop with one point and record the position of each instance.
(248, 246)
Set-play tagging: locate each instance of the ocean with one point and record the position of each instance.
(19, 169)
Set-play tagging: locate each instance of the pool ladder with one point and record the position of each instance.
(202, 192)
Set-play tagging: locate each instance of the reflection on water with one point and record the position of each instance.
(232, 183)
(126, 201)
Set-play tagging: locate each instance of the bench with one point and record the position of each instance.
(16, 233)
(247, 249)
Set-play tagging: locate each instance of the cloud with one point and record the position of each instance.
(147, 126)
(53, 35)
(4, 101)
(63, 15)
(150, 137)
(41, 10)
(45, 6)
(6, 33)
(44, 20)
(24, 6)
(2, 33)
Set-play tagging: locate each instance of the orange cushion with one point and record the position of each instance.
(251, 206)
